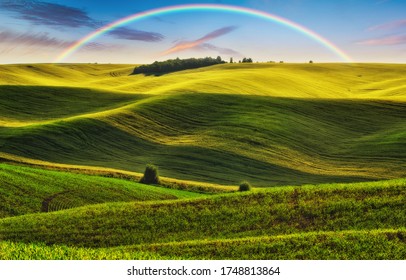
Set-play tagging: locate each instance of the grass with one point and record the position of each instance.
(278, 211)
(286, 124)
(94, 128)
(220, 138)
(22, 105)
(335, 221)
(364, 81)
(26, 190)
(343, 245)
(226, 139)
(21, 251)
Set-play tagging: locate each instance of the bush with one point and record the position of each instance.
(245, 186)
(150, 175)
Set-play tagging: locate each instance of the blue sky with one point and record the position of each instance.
(39, 31)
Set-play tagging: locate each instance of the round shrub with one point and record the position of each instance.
(245, 187)
(150, 175)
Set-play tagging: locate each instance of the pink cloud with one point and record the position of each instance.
(389, 40)
(185, 45)
(389, 25)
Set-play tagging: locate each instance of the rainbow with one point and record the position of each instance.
(202, 7)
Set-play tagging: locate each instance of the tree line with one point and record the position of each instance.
(177, 64)
(172, 65)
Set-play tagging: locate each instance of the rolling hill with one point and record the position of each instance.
(27, 190)
(325, 141)
(347, 221)
(219, 124)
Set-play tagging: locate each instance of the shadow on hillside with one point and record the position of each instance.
(157, 74)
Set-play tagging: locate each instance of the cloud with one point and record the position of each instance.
(397, 36)
(56, 15)
(185, 45)
(218, 33)
(136, 35)
(389, 26)
(43, 13)
(225, 51)
(32, 39)
(93, 46)
(384, 41)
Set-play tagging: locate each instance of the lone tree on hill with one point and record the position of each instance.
(245, 186)
(150, 175)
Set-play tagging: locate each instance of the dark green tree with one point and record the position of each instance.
(244, 186)
(150, 175)
(177, 64)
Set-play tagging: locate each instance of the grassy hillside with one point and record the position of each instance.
(372, 81)
(22, 251)
(362, 206)
(224, 139)
(24, 105)
(279, 126)
(343, 245)
(364, 220)
(25, 190)
(334, 123)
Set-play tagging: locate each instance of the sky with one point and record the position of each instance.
(34, 31)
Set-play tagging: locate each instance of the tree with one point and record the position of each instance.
(177, 64)
(245, 186)
(311, 61)
(150, 175)
(231, 60)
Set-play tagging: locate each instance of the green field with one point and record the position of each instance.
(346, 221)
(28, 190)
(281, 124)
(324, 146)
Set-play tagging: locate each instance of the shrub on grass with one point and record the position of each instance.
(245, 187)
(150, 175)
